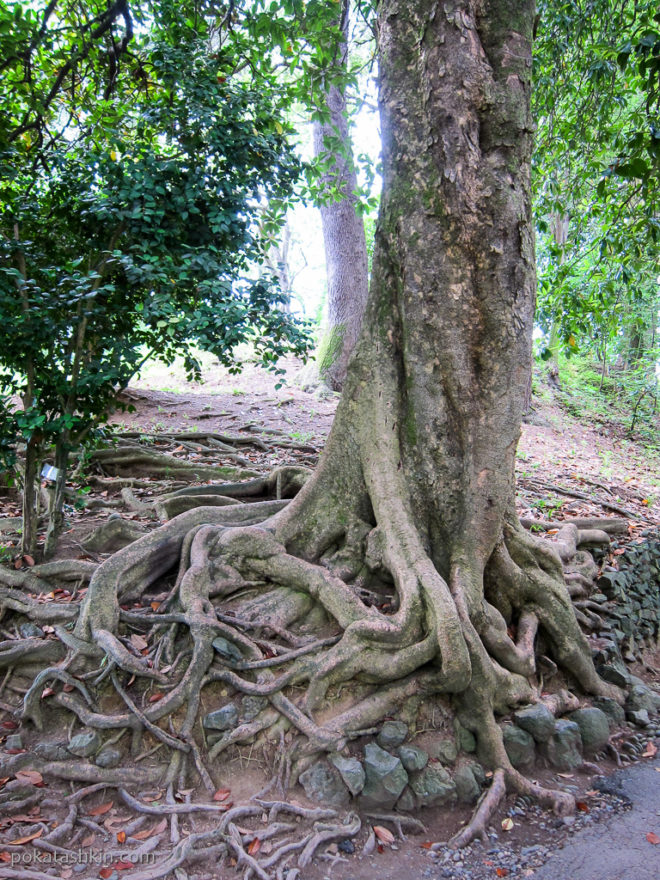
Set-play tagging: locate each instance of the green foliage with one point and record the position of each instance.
(596, 171)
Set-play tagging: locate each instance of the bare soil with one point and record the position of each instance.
(565, 468)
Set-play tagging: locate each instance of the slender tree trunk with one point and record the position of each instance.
(343, 237)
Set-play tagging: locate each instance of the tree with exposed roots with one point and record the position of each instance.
(400, 568)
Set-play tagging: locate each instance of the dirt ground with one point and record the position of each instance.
(564, 468)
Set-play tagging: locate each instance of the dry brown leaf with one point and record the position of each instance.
(139, 642)
(145, 834)
(155, 697)
(28, 560)
(32, 776)
(222, 794)
(162, 825)
(104, 873)
(507, 824)
(651, 836)
(566, 775)
(5, 857)
(427, 845)
(254, 846)
(101, 809)
(89, 840)
(383, 834)
(121, 837)
(584, 808)
(155, 606)
(27, 839)
(47, 692)
(650, 750)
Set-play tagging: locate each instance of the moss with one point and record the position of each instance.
(330, 347)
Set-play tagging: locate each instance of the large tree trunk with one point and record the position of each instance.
(343, 235)
(413, 501)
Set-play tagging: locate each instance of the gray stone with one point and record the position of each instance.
(108, 757)
(392, 734)
(385, 778)
(465, 739)
(615, 713)
(324, 784)
(407, 801)
(467, 787)
(413, 758)
(537, 720)
(14, 741)
(479, 772)
(564, 749)
(227, 650)
(642, 697)
(640, 717)
(53, 751)
(252, 706)
(30, 630)
(519, 745)
(594, 728)
(433, 786)
(222, 719)
(84, 745)
(351, 771)
(444, 750)
(614, 674)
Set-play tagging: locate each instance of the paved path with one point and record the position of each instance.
(616, 849)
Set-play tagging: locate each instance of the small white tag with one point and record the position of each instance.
(49, 472)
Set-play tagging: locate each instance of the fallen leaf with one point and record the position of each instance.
(101, 809)
(47, 692)
(154, 606)
(142, 835)
(104, 873)
(566, 775)
(139, 642)
(123, 866)
(9, 725)
(383, 834)
(584, 808)
(30, 837)
(651, 836)
(155, 697)
(121, 837)
(28, 560)
(650, 750)
(222, 794)
(32, 776)
(427, 845)
(254, 846)
(501, 872)
(5, 857)
(162, 825)
(89, 840)
(507, 824)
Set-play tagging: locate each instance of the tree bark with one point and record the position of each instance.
(343, 235)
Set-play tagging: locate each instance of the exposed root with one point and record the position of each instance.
(477, 827)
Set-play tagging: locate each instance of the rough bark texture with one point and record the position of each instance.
(343, 237)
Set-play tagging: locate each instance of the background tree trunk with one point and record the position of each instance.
(343, 235)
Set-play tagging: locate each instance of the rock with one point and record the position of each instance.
(407, 801)
(642, 697)
(433, 786)
(615, 713)
(53, 751)
(614, 674)
(467, 787)
(252, 706)
(346, 846)
(478, 772)
(564, 749)
(351, 771)
(537, 720)
(108, 757)
(594, 728)
(84, 745)
(30, 630)
(444, 750)
(222, 719)
(640, 717)
(14, 741)
(413, 758)
(392, 734)
(385, 778)
(465, 739)
(519, 746)
(227, 650)
(324, 784)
